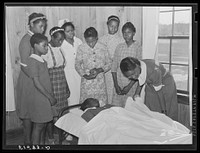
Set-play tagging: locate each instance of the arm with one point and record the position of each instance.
(128, 87)
(79, 61)
(117, 87)
(139, 51)
(43, 90)
(108, 61)
(24, 51)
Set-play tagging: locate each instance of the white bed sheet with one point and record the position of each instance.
(137, 125)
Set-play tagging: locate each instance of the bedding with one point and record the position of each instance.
(134, 124)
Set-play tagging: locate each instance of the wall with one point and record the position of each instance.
(83, 17)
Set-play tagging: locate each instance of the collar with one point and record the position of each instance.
(89, 108)
(143, 74)
(37, 57)
(30, 32)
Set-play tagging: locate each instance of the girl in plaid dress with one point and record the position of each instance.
(56, 63)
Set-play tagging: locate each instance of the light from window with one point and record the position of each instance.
(173, 43)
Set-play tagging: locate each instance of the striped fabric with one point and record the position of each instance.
(60, 88)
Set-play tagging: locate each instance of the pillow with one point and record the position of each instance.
(71, 122)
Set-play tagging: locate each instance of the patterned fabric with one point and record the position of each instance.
(88, 58)
(121, 52)
(60, 87)
(111, 42)
(56, 61)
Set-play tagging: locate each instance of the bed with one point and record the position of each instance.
(134, 124)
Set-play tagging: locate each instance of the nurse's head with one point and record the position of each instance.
(130, 68)
(91, 36)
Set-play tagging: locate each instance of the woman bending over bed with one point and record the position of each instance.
(160, 90)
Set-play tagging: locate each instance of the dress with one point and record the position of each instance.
(121, 52)
(73, 78)
(111, 42)
(41, 110)
(24, 83)
(156, 76)
(88, 58)
(56, 63)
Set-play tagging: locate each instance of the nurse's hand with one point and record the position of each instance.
(125, 90)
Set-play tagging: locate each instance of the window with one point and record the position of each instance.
(173, 44)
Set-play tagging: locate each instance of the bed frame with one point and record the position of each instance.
(65, 110)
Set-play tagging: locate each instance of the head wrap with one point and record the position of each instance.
(113, 17)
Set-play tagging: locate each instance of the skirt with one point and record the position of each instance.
(60, 88)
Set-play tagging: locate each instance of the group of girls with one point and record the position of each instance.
(66, 71)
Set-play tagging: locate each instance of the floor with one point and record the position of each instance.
(15, 137)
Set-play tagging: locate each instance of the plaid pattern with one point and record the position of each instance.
(60, 88)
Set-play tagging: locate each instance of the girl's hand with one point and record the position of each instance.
(52, 100)
(90, 76)
(118, 90)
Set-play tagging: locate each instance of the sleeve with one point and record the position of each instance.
(24, 50)
(108, 60)
(116, 59)
(33, 68)
(47, 58)
(139, 51)
(156, 78)
(79, 61)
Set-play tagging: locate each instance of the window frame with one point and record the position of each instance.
(170, 38)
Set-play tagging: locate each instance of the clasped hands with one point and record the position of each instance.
(120, 91)
(93, 73)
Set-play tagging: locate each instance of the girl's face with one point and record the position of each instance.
(133, 74)
(128, 34)
(113, 27)
(91, 41)
(38, 27)
(69, 32)
(58, 40)
(42, 47)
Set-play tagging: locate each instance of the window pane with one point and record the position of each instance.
(180, 74)
(163, 50)
(181, 22)
(180, 51)
(165, 8)
(165, 24)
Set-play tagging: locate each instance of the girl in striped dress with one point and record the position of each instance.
(56, 63)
